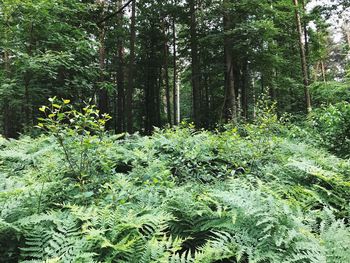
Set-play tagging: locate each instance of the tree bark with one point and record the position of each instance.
(302, 57)
(120, 73)
(9, 129)
(245, 87)
(130, 89)
(195, 65)
(166, 72)
(306, 41)
(102, 92)
(323, 69)
(27, 80)
(230, 103)
(176, 90)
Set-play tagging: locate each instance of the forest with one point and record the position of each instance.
(175, 131)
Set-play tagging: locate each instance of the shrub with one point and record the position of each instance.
(332, 123)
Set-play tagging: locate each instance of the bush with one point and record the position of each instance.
(332, 123)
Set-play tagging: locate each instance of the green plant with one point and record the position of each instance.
(78, 133)
(246, 194)
(332, 123)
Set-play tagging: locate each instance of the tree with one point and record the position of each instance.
(102, 91)
(120, 73)
(196, 86)
(230, 105)
(131, 72)
(304, 66)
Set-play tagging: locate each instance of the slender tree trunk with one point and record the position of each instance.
(306, 41)
(316, 69)
(9, 129)
(102, 92)
(245, 87)
(5, 108)
(120, 73)
(147, 100)
(254, 98)
(130, 90)
(27, 79)
(302, 57)
(206, 100)
(323, 69)
(195, 65)
(166, 72)
(26, 99)
(157, 94)
(176, 90)
(230, 103)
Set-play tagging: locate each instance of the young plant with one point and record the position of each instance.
(77, 133)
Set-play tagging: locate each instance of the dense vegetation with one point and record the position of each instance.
(177, 131)
(260, 192)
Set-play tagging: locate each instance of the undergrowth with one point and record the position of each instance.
(253, 193)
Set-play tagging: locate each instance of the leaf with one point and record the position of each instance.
(43, 108)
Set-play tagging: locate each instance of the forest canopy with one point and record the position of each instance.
(154, 63)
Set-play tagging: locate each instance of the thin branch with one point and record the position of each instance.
(115, 13)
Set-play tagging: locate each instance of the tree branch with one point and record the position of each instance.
(116, 12)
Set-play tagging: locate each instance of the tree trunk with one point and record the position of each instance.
(176, 90)
(230, 103)
(245, 87)
(120, 73)
(302, 57)
(166, 72)
(102, 92)
(130, 90)
(27, 79)
(306, 41)
(323, 69)
(195, 65)
(152, 88)
(9, 129)
(316, 69)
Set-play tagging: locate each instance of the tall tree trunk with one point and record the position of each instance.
(27, 79)
(254, 98)
(230, 103)
(120, 72)
(166, 72)
(9, 128)
(195, 65)
(316, 69)
(245, 87)
(102, 92)
(306, 41)
(130, 90)
(157, 93)
(206, 100)
(176, 90)
(323, 69)
(302, 57)
(153, 85)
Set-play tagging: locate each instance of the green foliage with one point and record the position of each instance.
(330, 92)
(244, 194)
(332, 123)
(78, 133)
